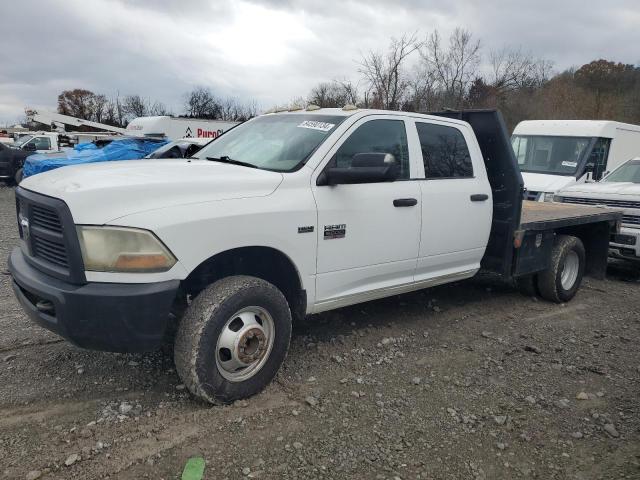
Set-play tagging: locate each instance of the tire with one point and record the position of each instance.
(18, 176)
(560, 282)
(527, 285)
(212, 322)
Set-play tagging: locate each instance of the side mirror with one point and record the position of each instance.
(30, 147)
(365, 168)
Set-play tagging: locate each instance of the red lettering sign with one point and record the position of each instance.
(209, 133)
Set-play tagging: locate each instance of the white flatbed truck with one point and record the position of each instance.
(286, 215)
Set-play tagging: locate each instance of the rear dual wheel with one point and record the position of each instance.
(560, 282)
(232, 339)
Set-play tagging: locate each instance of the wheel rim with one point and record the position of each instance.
(245, 343)
(570, 270)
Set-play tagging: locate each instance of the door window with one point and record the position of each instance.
(444, 151)
(42, 143)
(597, 161)
(376, 136)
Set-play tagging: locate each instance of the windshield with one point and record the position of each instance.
(552, 155)
(22, 140)
(628, 172)
(273, 142)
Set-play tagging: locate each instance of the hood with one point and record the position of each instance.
(600, 188)
(540, 182)
(101, 192)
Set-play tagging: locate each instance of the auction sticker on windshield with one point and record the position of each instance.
(569, 164)
(322, 126)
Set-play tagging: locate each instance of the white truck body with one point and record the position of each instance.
(614, 191)
(175, 128)
(553, 154)
(187, 204)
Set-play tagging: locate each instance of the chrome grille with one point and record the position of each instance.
(601, 201)
(631, 219)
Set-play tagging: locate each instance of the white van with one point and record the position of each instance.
(553, 154)
(176, 128)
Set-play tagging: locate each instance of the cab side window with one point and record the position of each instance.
(444, 151)
(42, 143)
(376, 136)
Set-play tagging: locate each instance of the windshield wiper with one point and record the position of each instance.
(227, 159)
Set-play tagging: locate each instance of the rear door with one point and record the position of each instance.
(456, 201)
(368, 234)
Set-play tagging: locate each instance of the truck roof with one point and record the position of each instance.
(573, 128)
(363, 112)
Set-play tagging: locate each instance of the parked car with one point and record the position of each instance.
(553, 154)
(11, 160)
(619, 189)
(286, 215)
(104, 150)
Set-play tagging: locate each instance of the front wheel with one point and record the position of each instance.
(232, 339)
(560, 282)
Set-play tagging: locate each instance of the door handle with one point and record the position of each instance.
(405, 202)
(479, 197)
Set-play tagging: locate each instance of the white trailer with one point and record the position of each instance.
(175, 127)
(553, 154)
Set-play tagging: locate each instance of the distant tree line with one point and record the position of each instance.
(431, 73)
(119, 111)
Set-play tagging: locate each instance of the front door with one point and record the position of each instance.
(369, 233)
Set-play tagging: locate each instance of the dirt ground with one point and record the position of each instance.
(469, 380)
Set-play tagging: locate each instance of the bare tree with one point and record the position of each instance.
(385, 71)
(454, 66)
(420, 90)
(202, 103)
(135, 106)
(513, 69)
(336, 93)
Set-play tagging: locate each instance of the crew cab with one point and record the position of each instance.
(619, 189)
(286, 215)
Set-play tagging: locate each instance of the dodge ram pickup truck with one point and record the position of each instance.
(286, 215)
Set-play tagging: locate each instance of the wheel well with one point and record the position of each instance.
(263, 262)
(595, 238)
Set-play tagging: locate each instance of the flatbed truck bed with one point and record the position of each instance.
(545, 215)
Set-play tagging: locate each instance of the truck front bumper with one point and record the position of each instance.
(114, 317)
(625, 244)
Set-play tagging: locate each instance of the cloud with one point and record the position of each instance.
(268, 50)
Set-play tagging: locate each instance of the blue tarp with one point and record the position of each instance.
(122, 149)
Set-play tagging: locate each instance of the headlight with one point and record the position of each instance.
(120, 249)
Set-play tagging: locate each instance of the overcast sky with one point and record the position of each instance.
(269, 50)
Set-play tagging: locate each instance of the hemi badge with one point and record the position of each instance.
(335, 231)
(307, 229)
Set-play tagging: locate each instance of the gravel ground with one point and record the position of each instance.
(469, 380)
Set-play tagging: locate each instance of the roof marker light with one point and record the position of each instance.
(295, 108)
(311, 107)
(349, 106)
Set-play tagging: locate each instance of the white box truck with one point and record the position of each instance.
(553, 154)
(176, 128)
